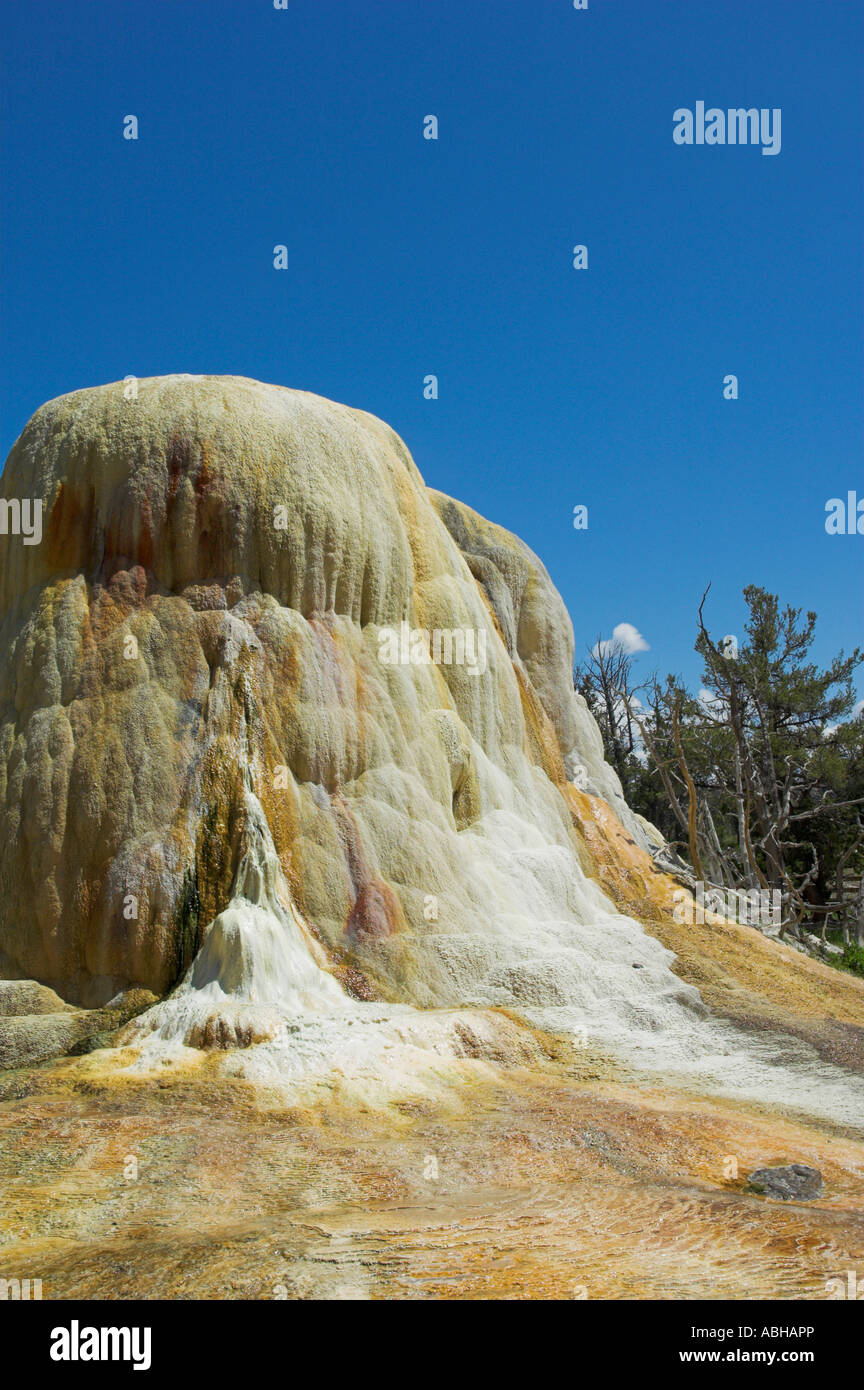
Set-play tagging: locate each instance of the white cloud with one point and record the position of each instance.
(857, 713)
(712, 702)
(626, 638)
(630, 638)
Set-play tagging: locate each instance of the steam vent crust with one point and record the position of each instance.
(193, 673)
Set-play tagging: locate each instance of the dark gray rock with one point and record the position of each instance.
(795, 1182)
(92, 1043)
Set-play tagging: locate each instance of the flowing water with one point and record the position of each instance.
(559, 955)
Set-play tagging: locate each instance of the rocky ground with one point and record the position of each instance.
(574, 1184)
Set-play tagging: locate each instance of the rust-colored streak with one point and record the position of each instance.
(376, 914)
(70, 527)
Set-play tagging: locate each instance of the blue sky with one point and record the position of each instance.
(407, 257)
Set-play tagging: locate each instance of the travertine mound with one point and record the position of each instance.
(253, 541)
(292, 740)
(538, 635)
